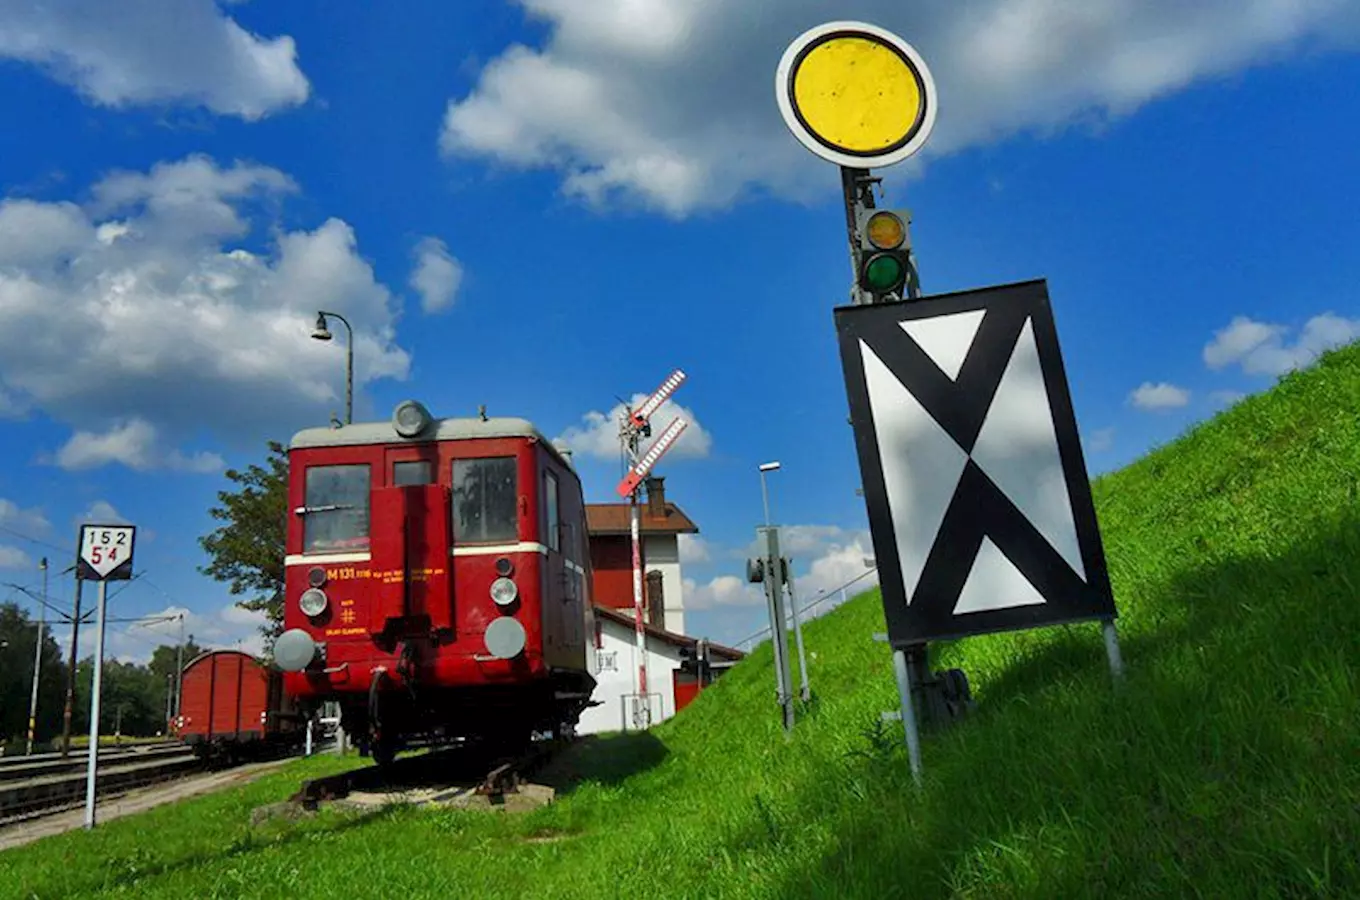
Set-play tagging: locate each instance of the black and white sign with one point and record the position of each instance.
(106, 552)
(977, 492)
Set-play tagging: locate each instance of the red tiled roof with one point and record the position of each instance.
(614, 518)
(670, 637)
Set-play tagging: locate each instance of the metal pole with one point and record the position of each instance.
(1112, 650)
(908, 713)
(37, 660)
(798, 636)
(778, 631)
(90, 770)
(765, 498)
(349, 374)
(71, 675)
(169, 700)
(179, 665)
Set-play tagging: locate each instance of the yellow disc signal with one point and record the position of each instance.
(856, 95)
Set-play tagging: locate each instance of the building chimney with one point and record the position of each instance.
(656, 497)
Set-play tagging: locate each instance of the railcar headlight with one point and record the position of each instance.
(504, 591)
(410, 418)
(312, 602)
(316, 577)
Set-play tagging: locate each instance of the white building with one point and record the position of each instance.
(669, 688)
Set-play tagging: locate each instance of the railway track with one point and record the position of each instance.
(30, 767)
(490, 775)
(28, 792)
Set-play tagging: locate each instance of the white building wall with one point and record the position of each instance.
(662, 551)
(616, 665)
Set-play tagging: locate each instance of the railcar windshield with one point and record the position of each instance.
(484, 500)
(337, 504)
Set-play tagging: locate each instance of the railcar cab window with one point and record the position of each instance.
(554, 528)
(484, 501)
(337, 509)
(417, 471)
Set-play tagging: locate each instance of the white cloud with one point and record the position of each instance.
(436, 276)
(29, 521)
(1159, 396)
(671, 105)
(101, 512)
(824, 557)
(135, 445)
(724, 590)
(136, 320)
(1260, 349)
(1100, 440)
(14, 558)
(599, 436)
(162, 51)
(693, 549)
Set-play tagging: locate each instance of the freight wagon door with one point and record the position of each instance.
(225, 696)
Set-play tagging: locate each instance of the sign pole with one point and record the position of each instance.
(92, 766)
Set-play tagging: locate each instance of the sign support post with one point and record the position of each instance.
(91, 768)
(105, 555)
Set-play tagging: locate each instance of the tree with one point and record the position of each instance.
(18, 634)
(247, 550)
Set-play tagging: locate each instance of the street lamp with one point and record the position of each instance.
(321, 333)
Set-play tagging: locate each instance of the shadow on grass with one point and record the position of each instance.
(1226, 767)
(605, 760)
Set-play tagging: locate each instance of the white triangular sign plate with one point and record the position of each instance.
(946, 339)
(995, 583)
(1018, 449)
(922, 465)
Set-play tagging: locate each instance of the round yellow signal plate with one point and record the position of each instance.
(856, 95)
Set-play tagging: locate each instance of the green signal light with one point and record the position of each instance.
(883, 273)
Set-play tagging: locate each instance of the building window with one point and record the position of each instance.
(337, 504)
(484, 501)
(417, 471)
(554, 525)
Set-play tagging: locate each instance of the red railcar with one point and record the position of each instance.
(438, 579)
(233, 706)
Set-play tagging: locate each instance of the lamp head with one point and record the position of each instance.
(321, 333)
(769, 466)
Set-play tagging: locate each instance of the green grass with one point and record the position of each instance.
(1227, 766)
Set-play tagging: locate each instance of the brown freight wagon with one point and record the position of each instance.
(233, 707)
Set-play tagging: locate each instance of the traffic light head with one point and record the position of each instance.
(884, 256)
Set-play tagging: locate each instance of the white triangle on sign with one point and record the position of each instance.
(946, 339)
(995, 583)
(1018, 450)
(921, 466)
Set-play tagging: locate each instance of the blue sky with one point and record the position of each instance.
(597, 193)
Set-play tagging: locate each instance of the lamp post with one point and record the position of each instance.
(793, 602)
(322, 333)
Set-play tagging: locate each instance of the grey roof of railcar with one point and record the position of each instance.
(452, 429)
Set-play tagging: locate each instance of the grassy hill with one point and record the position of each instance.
(1227, 766)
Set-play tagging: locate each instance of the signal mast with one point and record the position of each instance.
(634, 425)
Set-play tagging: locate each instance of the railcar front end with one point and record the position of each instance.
(437, 580)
